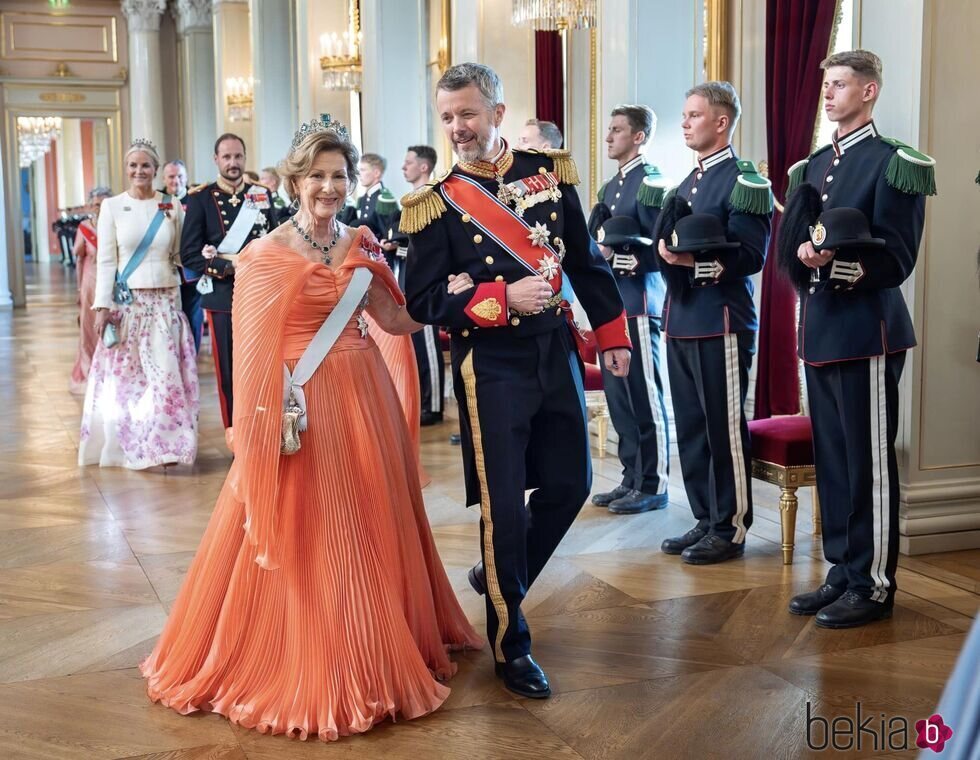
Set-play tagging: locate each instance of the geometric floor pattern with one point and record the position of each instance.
(648, 657)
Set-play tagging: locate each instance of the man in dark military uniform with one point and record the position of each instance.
(212, 236)
(512, 220)
(710, 323)
(853, 334)
(377, 201)
(636, 403)
(420, 160)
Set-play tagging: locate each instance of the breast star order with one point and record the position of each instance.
(539, 235)
(549, 266)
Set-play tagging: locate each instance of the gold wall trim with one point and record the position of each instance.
(62, 97)
(593, 112)
(716, 39)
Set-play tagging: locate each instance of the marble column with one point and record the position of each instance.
(195, 41)
(232, 60)
(275, 87)
(394, 81)
(145, 82)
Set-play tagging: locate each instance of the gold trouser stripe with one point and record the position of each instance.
(489, 565)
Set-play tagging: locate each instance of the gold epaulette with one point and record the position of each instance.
(196, 188)
(420, 208)
(564, 165)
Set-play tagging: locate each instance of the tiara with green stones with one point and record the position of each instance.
(323, 124)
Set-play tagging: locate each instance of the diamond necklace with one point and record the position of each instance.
(323, 250)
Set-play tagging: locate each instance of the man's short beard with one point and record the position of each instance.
(482, 150)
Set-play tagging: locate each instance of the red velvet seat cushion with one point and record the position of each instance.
(593, 378)
(786, 441)
(444, 339)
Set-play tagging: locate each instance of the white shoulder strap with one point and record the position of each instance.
(326, 336)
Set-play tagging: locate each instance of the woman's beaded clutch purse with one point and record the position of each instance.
(290, 427)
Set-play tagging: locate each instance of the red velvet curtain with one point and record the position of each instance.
(797, 38)
(549, 78)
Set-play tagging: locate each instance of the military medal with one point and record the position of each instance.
(234, 200)
(529, 191)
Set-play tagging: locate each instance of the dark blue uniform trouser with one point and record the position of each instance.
(708, 384)
(219, 323)
(636, 406)
(854, 411)
(522, 405)
(432, 369)
(190, 304)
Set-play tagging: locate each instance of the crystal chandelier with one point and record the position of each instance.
(341, 55)
(240, 98)
(34, 136)
(554, 15)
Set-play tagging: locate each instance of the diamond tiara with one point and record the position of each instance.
(142, 142)
(323, 124)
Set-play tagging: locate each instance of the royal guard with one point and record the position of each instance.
(849, 239)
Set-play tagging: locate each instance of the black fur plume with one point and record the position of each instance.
(599, 216)
(678, 279)
(802, 210)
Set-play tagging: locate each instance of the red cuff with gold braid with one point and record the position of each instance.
(614, 334)
(488, 307)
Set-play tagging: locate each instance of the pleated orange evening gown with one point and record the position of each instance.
(317, 603)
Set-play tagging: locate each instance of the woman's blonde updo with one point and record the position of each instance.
(143, 146)
(297, 164)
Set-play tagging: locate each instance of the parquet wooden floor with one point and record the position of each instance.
(648, 657)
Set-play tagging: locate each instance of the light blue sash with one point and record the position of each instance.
(120, 290)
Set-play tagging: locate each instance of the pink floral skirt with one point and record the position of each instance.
(141, 403)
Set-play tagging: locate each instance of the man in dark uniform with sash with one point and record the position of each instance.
(636, 403)
(512, 220)
(710, 323)
(853, 335)
(420, 160)
(221, 219)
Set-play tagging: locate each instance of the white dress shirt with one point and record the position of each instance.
(123, 220)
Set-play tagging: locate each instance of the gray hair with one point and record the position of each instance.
(722, 95)
(549, 131)
(465, 74)
(99, 192)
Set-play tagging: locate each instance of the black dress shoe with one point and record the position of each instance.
(478, 578)
(604, 499)
(710, 550)
(636, 501)
(430, 418)
(812, 602)
(455, 439)
(852, 610)
(524, 676)
(678, 544)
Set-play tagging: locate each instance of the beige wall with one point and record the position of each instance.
(923, 102)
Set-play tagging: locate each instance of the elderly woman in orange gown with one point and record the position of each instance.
(85, 250)
(317, 603)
